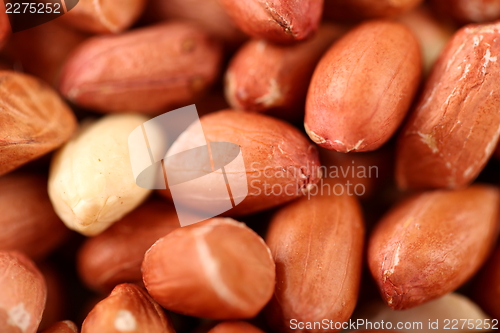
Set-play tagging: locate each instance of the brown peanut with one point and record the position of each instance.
(276, 155)
(116, 255)
(28, 222)
(353, 105)
(455, 127)
(218, 269)
(281, 21)
(128, 72)
(432, 243)
(34, 120)
(265, 77)
(317, 245)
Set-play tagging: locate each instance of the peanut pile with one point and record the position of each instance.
(369, 134)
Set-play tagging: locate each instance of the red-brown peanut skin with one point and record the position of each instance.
(454, 128)
(41, 50)
(317, 245)
(274, 152)
(264, 76)
(363, 86)
(219, 269)
(432, 243)
(34, 118)
(104, 16)
(487, 286)
(366, 9)
(65, 326)
(23, 293)
(469, 11)
(28, 222)
(235, 327)
(116, 255)
(145, 70)
(127, 309)
(279, 21)
(208, 13)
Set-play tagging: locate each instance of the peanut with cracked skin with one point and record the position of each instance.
(279, 21)
(432, 243)
(363, 87)
(34, 120)
(104, 16)
(218, 269)
(23, 291)
(265, 77)
(146, 70)
(317, 244)
(275, 154)
(127, 309)
(455, 126)
(116, 255)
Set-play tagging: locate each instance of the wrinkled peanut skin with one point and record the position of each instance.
(235, 327)
(116, 255)
(23, 291)
(264, 77)
(28, 222)
(147, 314)
(455, 126)
(274, 152)
(469, 11)
(317, 244)
(367, 9)
(130, 72)
(363, 87)
(34, 120)
(432, 243)
(218, 269)
(104, 16)
(487, 286)
(279, 21)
